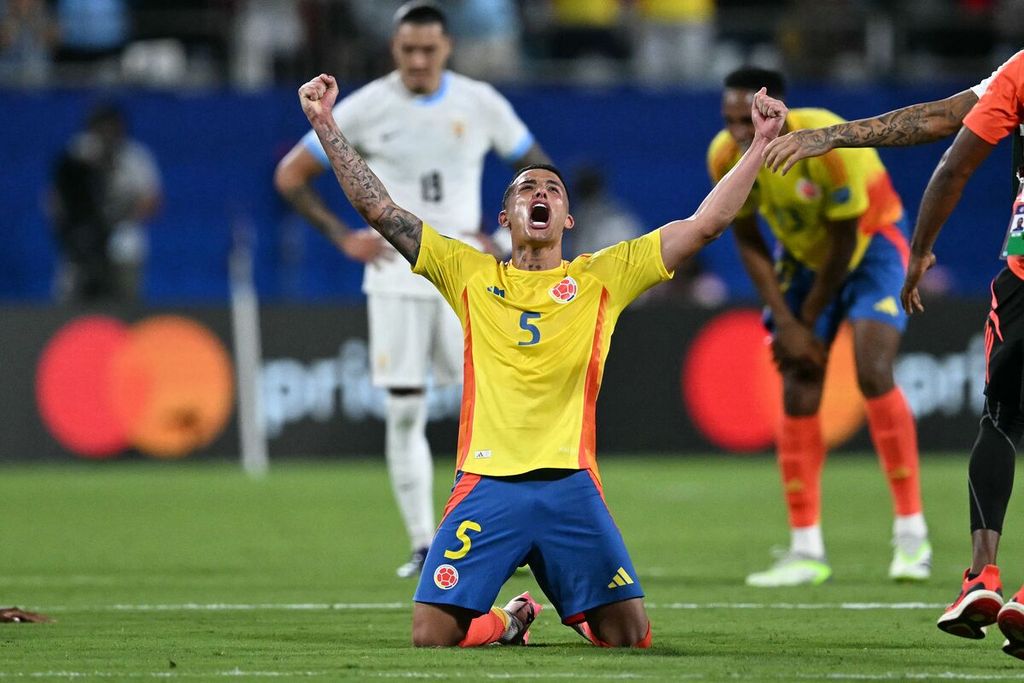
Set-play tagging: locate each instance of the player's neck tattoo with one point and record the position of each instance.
(542, 258)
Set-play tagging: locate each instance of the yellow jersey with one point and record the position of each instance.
(535, 347)
(844, 184)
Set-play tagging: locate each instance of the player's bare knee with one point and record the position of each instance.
(426, 635)
(875, 379)
(623, 624)
(436, 626)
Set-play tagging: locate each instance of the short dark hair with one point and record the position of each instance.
(420, 12)
(533, 167)
(754, 78)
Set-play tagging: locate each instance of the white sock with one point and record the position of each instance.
(409, 465)
(910, 525)
(806, 540)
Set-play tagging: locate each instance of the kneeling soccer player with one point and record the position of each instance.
(537, 331)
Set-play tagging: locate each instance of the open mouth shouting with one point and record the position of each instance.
(540, 215)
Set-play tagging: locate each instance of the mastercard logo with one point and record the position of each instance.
(163, 385)
(733, 392)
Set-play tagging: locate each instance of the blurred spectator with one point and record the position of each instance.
(590, 35)
(601, 220)
(374, 19)
(487, 36)
(267, 33)
(92, 30)
(823, 39)
(1008, 18)
(28, 34)
(105, 185)
(675, 40)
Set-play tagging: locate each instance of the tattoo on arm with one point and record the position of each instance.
(369, 196)
(913, 125)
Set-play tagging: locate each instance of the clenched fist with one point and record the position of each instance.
(317, 97)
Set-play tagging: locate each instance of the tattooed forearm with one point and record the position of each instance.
(308, 203)
(913, 125)
(369, 196)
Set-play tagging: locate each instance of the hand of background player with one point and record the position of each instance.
(13, 615)
(768, 114)
(790, 148)
(317, 97)
(365, 246)
(916, 268)
(794, 346)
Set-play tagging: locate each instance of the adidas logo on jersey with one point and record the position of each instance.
(621, 578)
(496, 291)
(887, 305)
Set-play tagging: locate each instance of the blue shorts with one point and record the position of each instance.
(870, 292)
(556, 521)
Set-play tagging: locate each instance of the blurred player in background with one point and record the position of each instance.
(15, 615)
(841, 256)
(425, 131)
(998, 113)
(991, 468)
(537, 332)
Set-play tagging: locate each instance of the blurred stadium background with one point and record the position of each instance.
(208, 86)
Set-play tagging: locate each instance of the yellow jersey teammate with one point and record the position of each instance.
(537, 330)
(841, 255)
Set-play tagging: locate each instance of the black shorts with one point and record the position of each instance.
(1004, 340)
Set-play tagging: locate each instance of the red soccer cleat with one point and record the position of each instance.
(976, 607)
(1011, 623)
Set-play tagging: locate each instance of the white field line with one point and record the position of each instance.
(556, 675)
(392, 606)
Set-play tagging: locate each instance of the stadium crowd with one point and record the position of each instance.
(256, 43)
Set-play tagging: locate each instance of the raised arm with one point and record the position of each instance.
(682, 239)
(364, 190)
(940, 198)
(912, 125)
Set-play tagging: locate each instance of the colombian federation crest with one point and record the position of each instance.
(564, 291)
(445, 577)
(807, 191)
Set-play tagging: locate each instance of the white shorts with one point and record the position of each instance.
(412, 338)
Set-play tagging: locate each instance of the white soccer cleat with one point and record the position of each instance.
(414, 565)
(911, 559)
(792, 569)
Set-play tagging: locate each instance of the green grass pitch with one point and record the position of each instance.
(191, 571)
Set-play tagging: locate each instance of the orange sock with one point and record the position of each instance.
(801, 452)
(644, 643)
(895, 437)
(486, 628)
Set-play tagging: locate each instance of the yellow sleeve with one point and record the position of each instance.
(842, 175)
(630, 268)
(447, 263)
(723, 154)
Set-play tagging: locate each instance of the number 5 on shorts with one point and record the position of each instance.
(467, 542)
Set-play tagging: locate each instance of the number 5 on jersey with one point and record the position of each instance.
(462, 535)
(525, 324)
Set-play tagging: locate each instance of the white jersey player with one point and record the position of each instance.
(425, 132)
